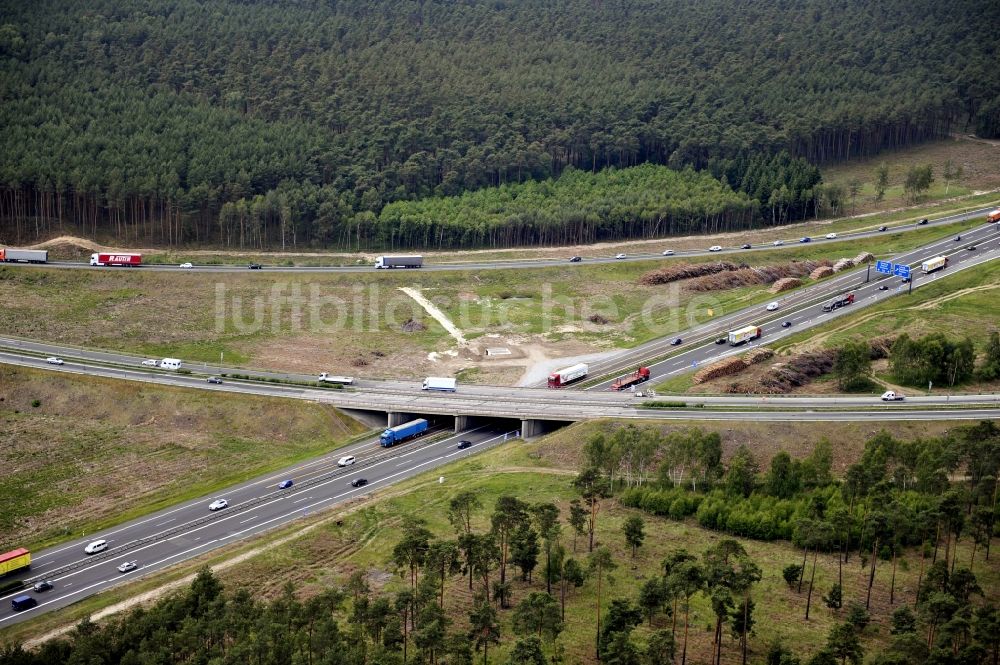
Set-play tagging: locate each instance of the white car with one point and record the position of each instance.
(218, 504)
(668, 252)
(96, 546)
(346, 460)
(54, 361)
(778, 243)
(127, 566)
(187, 265)
(715, 248)
(831, 236)
(619, 256)
(150, 363)
(771, 306)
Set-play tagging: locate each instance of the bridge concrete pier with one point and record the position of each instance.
(462, 423)
(398, 418)
(531, 428)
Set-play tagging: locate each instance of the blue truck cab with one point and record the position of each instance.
(400, 433)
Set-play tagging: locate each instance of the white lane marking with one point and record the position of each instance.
(95, 584)
(172, 519)
(305, 498)
(250, 519)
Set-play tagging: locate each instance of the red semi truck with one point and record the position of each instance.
(567, 375)
(119, 259)
(640, 375)
(840, 301)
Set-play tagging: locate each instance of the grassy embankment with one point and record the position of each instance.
(543, 471)
(202, 317)
(958, 305)
(82, 453)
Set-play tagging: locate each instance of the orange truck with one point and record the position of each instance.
(993, 216)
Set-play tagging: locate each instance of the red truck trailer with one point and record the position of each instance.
(640, 375)
(119, 259)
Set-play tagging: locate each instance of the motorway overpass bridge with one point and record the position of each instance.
(533, 411)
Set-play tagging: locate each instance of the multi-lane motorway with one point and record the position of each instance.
(187, 530)
(803, 308)
(190, 529)
(539, 263)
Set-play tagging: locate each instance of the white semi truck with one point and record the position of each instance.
(409, 261)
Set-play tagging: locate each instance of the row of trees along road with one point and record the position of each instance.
(931, 360)
(255, 124)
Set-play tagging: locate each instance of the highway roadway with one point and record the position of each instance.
(187, 530)
(500, 402)
(525, 263)
(803, 308)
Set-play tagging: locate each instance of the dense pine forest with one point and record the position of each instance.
(139, 122)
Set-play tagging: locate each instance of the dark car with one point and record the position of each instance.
(462, 445)
(677, 342)
(745, 246)
(285, 484)
(905, 280)
(805, 239)
(883, 288)
(922, 222)
(359, 482)
(971, 248)
(214, 379)
(255, 266)
(786, 324)
(721, 340)
(958, 238)
(44, 585)
(575, 259)
(883, 228)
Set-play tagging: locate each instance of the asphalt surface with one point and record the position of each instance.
(180, 532)
(189, 529)
(520, 263)
(501, 402)
(803, 308)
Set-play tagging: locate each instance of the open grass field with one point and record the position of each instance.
(358, 324)
(79, 454)
(542, 471)
(977, 159)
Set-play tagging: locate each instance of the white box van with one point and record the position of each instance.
(442, 384)
(170, 363)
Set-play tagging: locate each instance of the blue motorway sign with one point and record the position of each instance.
(900, 270)
(884, 267)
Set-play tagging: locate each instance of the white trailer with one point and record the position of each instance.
(737, 337)
(930, 265)
(170, 363)
(561, 377)
(439, 383)
(24, 255)
(333, 378)
(409, 261)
